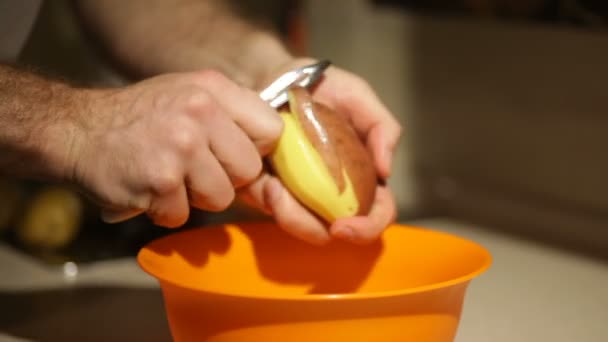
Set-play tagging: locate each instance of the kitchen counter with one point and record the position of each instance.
(531, 293)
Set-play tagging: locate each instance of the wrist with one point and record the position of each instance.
(261, 55)
(62, 141)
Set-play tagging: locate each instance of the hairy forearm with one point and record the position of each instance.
(37, 123)
(158, 36)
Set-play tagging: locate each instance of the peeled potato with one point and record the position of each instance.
(322, 161)
(52, 219)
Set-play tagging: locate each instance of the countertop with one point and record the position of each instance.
(531, 293)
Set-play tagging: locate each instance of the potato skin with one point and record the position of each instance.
(339, 145)
(353, 155)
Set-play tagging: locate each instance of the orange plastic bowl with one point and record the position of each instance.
(253, 282)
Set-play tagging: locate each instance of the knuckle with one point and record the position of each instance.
(203, 110)
(212, 77)
(164, 181)
(248, 173)
(199, 102)
(184, 140)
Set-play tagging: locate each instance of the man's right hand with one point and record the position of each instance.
(172, 141)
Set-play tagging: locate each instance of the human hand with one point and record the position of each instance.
(350, 95)
(172, 141)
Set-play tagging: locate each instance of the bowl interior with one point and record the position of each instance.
(260, 260)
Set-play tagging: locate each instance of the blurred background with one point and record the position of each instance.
(505, 116)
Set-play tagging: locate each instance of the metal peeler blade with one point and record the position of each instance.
(276, 93)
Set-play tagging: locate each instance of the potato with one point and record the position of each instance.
(51, 220)
(322, 161)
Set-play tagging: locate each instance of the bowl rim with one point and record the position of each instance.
(328, 296)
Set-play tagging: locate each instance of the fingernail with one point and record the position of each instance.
(345, 233)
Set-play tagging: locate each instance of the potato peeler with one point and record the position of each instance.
(275, 95)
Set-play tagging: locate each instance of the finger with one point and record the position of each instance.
(237, 154)
(253, 194)
(382, 141)
(382, 130)
(209, 187)
(115, 216)
(170, 210)
(289, 214)
(351, 95)
(365, 229)
(260, 121)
